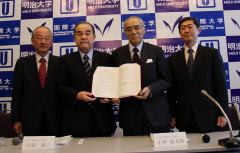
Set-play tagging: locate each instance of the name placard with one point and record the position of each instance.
(169, 139)
(38, 142)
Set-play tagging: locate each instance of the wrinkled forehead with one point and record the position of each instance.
(133, 22)
(42, 32)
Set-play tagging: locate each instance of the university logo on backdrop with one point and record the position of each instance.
(6, 83)
(105, 28)
(174, 26)
(238, 72)
(103, 7)
(231, 4)
(137, 5)
(32, 9)
(226, 67)
(170, 45)
(211, 23)
(233, 48)
(210, 43)
(107, 46)
(235, 98)
(63, 28)
(234, 70)
(6, 58)
(9, 32)
(171, 5)
(236, 23)
(26, 50)
(167, 24)
(7, 8)
(205, 3)
(233, 23)
(69, 6)
(64, 50)
(5, 105)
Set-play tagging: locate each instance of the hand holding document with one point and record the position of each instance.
(117, 82)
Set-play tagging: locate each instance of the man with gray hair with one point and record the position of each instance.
(35, 106)
(148, 111)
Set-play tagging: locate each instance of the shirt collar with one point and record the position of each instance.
(38, 57)
(89, 54)
(139, 47)
(194, 48)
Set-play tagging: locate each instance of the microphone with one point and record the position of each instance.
(227, 142)
(206, 138)
(17, 140)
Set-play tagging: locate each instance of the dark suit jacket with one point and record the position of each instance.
(29, 100)
(77, 114)
(156, 75)
(208, 74)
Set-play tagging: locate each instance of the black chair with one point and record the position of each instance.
(6, 129)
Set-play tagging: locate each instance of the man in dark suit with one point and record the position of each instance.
(83, 114)
(193, 69)
(35, 106)
(147, 112)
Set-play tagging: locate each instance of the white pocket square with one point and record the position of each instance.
(149, 61)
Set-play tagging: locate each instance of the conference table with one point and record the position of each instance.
(128, 144)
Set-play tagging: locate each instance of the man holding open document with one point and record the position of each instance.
(83, 114)
(148, 111)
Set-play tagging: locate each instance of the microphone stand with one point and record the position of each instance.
(227, 142)
(236, 109)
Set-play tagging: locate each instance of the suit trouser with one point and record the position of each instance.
(143, 126)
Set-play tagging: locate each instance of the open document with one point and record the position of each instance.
(117, 82)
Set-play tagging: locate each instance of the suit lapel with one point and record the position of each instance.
(126, 55)
(33, 70)
(95, 61)
(50, 70)
(78, 64)
(182, 63)
(144, 53)
(198, 59)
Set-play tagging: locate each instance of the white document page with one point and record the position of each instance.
(116, 82)
(105, 82)
(129, 80)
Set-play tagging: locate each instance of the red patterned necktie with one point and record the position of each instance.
(42, 72)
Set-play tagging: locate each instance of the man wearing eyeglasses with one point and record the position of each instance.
(148, 111)
(83, 114)
(35, 105)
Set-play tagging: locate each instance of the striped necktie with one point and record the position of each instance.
(87, 66)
